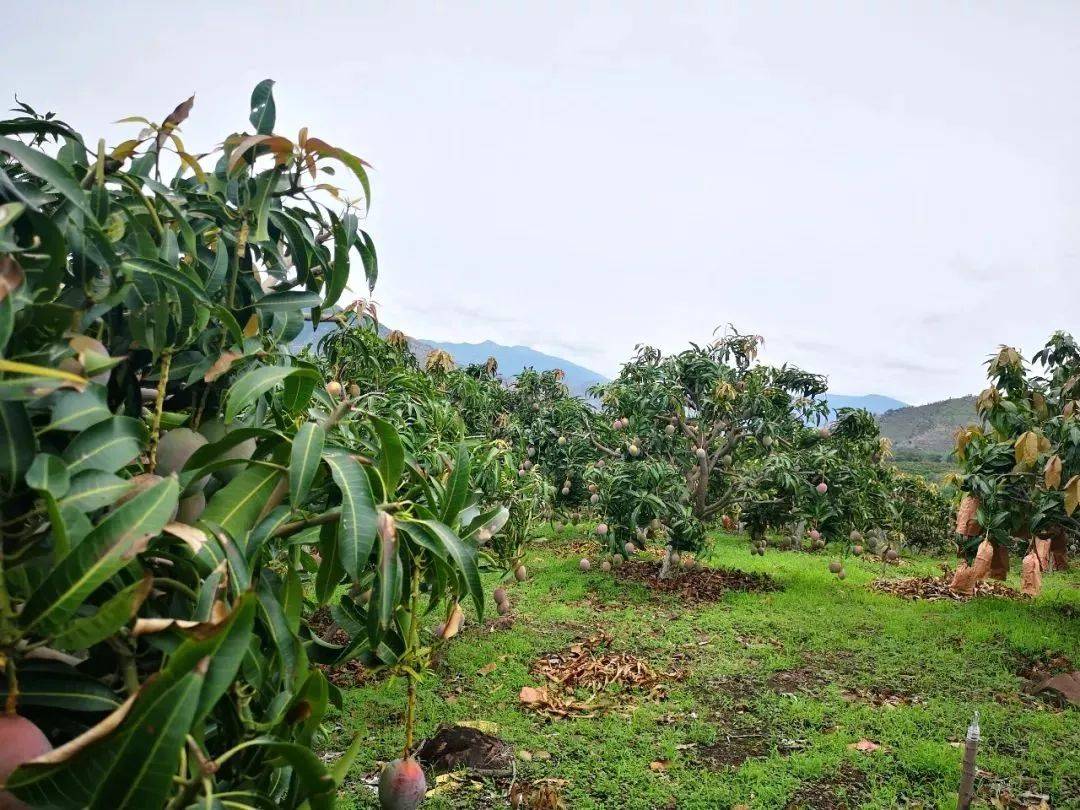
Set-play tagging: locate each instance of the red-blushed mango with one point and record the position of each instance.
(402, 785)
(20, 741)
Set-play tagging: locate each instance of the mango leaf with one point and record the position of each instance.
(78, 410)
(256, 382)
(108, 445)
(16, 442)
(389, 576)
(358, 517)
(48, 474)
(287, 300)
(133, 753)
(170, 275)
(391, 455)
(465, 559)
(93, 489)
(457, 488)
(51, 171)
(1052, 472)
(330, 572)
(1072, 495)
(60, 686)
(104, 552)
(236, 506)
(85, 631)
(1027, 448)
(263, 114)
(288, 646)
(304, 461)
(317, 786)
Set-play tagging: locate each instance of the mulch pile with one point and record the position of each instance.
(931, 589)
(698, 584)
(586, 665)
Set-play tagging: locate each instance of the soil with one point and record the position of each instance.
(732, 749)
(698, 584)
(844, 789)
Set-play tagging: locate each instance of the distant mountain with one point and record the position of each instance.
(875, 403)
(927, 430)
(512, 359)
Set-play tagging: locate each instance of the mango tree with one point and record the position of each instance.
(169, 467)
(1021, 463)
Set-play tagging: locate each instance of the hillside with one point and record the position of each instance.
(875, 403)
(927, 430)
(511, 359)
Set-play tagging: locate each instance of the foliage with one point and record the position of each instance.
(1023, 459)
(134, 307)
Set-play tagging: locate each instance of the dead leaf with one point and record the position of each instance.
(659, 765)
(1027, 448)
(530, 695)
(864, 745)
(195, 538)
(487, 669)
(221, 365)
(174, 119)
(11, 276)
(1052, 472)
(1067, 685)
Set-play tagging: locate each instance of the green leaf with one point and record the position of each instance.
(117, 611)
(167, 273)
(288, 300)
(330, 572)
(104, 552)
(389, 579)
(108, 445)
(62, 687)
(457, 488)
(354, 163)
(16, 442)
(304, 461)
(236, 506)
(226, 646)
(289, 649)
(263, 110)
(51, 171)
(48, 474)
(464, 556)
(256, 382)
(78, 410)
(366, 246)
(391, 455)
(358, 517)
(136, 752)
(93, 489)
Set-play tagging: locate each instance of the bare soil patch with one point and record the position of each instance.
(698, 584)
(844, 789)
(732, 748)
(933, 589)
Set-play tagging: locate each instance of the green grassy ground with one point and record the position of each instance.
(791, 677)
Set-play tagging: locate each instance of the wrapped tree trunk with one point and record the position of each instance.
(1031, 575)
(999, 564)
(1059, 548)
(963, 581)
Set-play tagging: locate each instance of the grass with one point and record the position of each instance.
(835, 644)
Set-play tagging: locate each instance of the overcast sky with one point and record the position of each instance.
(885, 191)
